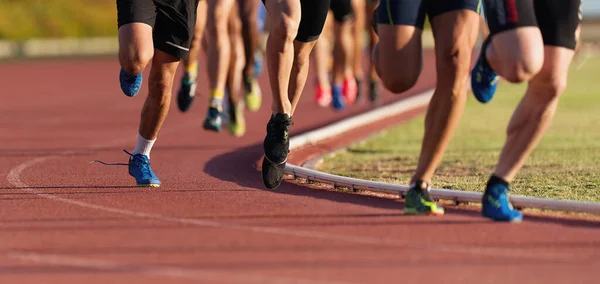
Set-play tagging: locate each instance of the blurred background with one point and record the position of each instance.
(26, 24)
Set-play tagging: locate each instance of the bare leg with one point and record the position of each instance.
(249, 15)
(157, 103)
(398, 44)
(535, 112)
(237, 62)
(358, 7)
(516, 55)
(299, 72)
(455, 35)
(284, 17)
(196, 44)
(219, 46)
(136, 48)
(343, 52)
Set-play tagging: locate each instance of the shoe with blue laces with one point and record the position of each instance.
(496, 205)
(139, 168)
(339, 102)
(484, 80)
(130, 84)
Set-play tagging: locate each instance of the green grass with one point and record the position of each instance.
(22, 19)
(565, 165)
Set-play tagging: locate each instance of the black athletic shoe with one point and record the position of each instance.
(187, 93)
(373, 92)
(276, 148)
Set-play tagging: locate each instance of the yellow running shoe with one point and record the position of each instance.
(237, 122)
(419, 202)
(253, 95)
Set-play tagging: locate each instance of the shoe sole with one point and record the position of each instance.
(272, 173)
(211, 127)
(148, 185)
(410, 211)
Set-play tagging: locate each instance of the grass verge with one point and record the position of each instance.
(564, 165)
(23, 19)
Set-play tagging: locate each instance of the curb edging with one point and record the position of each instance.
(404, 105)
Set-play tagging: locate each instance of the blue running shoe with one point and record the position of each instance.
(139, 168)
(130, 84)
(484, 80)
(496, 205)
(339, 102)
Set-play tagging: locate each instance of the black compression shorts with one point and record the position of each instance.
(342, 10)
(413, 12)
(557, 19)
(172, 22)
(314, 14)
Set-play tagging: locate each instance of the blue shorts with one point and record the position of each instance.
(413, 12)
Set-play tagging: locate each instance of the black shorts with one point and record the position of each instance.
(172, 22)
(557, 19)
(413, 12)
(314, 14)
(342, 10)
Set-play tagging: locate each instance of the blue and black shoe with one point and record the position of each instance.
(339, 102)
(496, 205)
(130, 84)
(139, 168)
(214, 116)
(484, 80)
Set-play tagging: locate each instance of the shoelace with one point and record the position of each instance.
(278, 128)
(141, 164)
(114, 164)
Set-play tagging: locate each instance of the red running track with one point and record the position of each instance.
(66, 221)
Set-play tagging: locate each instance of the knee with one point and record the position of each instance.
(547, 88)
(398, 83)
(301, 59)
(285, 27)
(395, 78)
(521, 70)
(454, 62)
(136, 62)
(518, 72)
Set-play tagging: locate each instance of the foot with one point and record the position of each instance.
(253, 94)
(484, 80)
(419, 202)
(359, 95)
(139, 168)
(323, 96)
(339, 102)
(214, 117)
(496, 206)
(237, 122)
(350, 90)
(187, 92)
(373, 91)
(130, 84)
(276, 148)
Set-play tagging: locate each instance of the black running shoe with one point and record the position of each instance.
(276, 148)
(187, 93)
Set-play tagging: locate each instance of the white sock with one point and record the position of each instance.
(143, 146)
